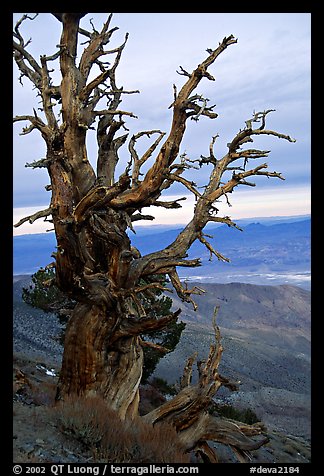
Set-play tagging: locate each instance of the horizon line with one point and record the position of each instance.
(179, 225)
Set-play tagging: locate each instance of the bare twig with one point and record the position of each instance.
(35, 216)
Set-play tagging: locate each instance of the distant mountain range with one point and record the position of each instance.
(268, 251)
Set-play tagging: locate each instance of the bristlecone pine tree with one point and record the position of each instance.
(92, 210)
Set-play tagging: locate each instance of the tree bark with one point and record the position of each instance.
(95, 362)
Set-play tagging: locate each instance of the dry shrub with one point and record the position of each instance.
(36, 394)
(109, 439)
(33, 390)
(150, 398)
(150, 444)
(44, 394)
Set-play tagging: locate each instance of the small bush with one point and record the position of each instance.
(44, 294)
(163, 386)
(44, 394)
(112, 440)
(150, 398)
(245, 415)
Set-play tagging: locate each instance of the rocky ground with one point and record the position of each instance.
(37, 437)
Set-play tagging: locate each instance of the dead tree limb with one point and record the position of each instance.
(196, 428)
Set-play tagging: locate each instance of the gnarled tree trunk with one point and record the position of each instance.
(95, 362)
(92, 210)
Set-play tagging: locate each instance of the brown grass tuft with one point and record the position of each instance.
(112, 440)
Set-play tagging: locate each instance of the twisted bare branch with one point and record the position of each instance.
(194, 427)
(35, 216)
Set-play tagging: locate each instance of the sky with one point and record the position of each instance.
(268, 68)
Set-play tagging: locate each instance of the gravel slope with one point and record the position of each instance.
(35, 333)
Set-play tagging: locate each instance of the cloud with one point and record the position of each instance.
(39, 226)
(245, 203)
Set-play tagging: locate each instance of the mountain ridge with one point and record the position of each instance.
(244, 305)
(266, 337)
(262, 253)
